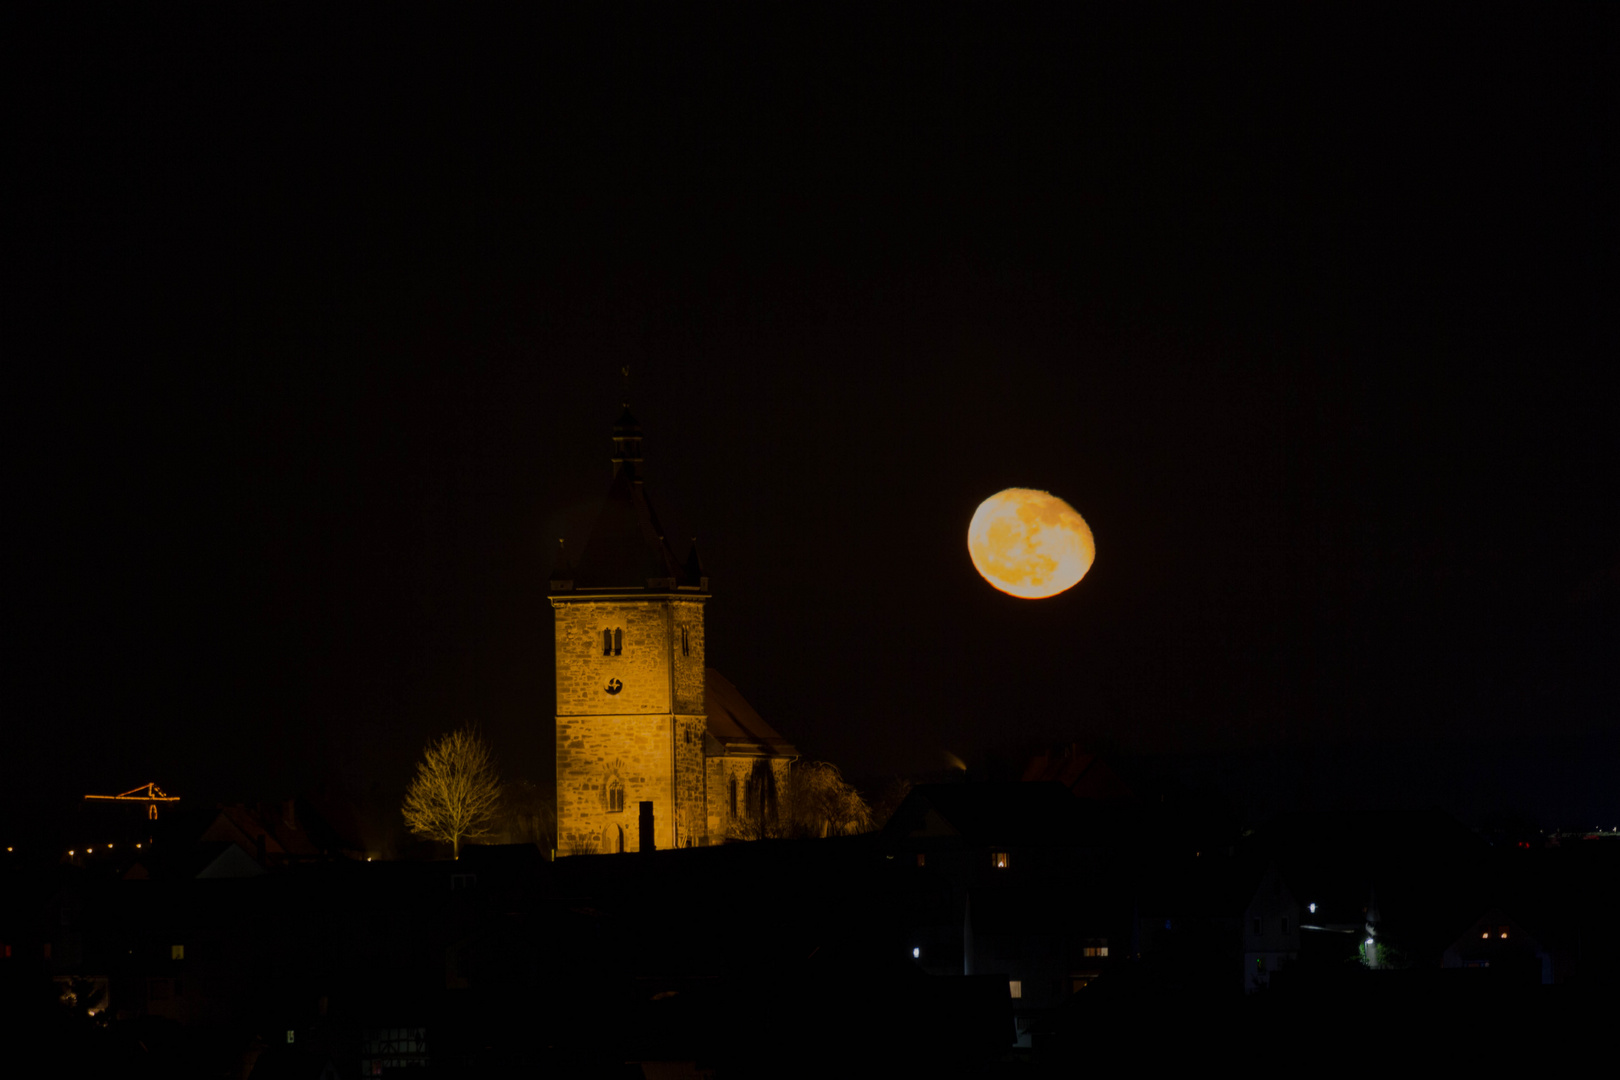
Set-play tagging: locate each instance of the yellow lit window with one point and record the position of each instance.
(1015, 988)
(177, 952)
(998, 859)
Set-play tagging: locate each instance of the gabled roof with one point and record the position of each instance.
(1086, 775)
(1003, 814)
(735, 726)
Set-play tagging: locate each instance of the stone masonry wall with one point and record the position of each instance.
(692, 824)
(592, 751)
(614, 720)
(584, 674)
(720, 771)
(689, 663)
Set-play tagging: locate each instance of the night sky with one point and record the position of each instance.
(320, 319)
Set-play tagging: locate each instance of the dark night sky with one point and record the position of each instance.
(1308, 314)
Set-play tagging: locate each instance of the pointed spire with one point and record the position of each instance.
(692, 573)
(627, 548)
(562, 575)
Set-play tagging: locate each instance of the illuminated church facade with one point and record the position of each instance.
(640, 718)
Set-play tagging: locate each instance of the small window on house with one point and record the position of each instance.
(607, 643)
(177, 952)
(998, 859)
(1015, 988)
(618, 642)
(922, 860)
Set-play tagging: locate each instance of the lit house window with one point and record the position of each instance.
(1095, 950)
(922, 860)
(1015, 988)
(177, 952)
(998, 859)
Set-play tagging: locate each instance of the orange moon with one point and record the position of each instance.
(1030, 543)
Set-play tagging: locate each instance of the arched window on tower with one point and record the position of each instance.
(686, 642)
(607, 643)
(618, 642)
(733, 796)
(616, 796)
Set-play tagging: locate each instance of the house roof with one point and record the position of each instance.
(1010, 814)
(733, 723)
(1086, 775)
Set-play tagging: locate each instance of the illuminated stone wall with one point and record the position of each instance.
(721, 771)
(637, 717)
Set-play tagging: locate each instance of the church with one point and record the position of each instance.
(642, 723)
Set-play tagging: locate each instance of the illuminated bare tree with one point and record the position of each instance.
(456, 793)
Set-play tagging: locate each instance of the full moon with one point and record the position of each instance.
(1029, 543)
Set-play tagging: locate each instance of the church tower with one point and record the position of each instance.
(630, 675)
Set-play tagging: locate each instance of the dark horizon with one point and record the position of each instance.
(1305, 312)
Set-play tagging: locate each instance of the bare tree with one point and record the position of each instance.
(456, 793)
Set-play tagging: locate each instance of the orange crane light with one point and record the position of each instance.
(151, 794)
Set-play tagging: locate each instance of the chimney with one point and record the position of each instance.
(646, 827)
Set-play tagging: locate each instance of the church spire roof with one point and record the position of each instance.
(627, 549)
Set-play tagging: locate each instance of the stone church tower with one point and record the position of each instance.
(634, 721)
(629, 646)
